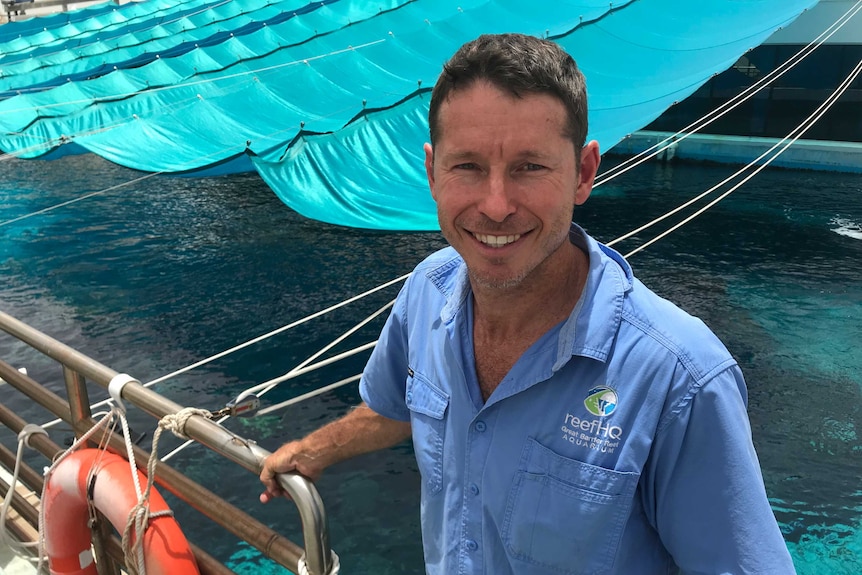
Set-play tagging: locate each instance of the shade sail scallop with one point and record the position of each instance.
(328, 100)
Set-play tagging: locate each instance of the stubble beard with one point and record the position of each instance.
(503, 284)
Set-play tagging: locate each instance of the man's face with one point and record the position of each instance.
(506, 181)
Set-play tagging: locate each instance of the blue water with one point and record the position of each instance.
(151, 277)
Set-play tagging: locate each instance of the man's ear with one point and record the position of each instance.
(590, 160)
(429, 167)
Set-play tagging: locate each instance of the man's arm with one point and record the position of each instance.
(712, 511)
(360, 431)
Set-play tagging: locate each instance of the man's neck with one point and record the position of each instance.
(536, 304)
(506, 323)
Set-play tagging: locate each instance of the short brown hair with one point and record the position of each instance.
(518, 64)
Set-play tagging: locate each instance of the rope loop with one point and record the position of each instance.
(176, 422)
(139, 516)
(29, 431)
(302, 566)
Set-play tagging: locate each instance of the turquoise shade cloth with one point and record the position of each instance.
(328, 100)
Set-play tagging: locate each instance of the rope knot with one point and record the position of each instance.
(176, 422)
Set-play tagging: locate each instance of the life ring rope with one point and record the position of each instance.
(139, 516)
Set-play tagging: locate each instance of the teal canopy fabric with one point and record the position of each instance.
(328, 100)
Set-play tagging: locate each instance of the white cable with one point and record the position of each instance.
(296, 373)
(256, 340)
(793, 136)
(302, 368)
(731, 104)
(298, 370)
(127, 95)
(5, 539)
(279, 330)
(290, 375)
(310, 394)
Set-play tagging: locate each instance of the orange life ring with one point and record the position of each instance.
(67, 535)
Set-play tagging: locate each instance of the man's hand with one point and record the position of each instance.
(292, 456)
(360, 431)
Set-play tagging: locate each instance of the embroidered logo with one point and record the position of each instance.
(601, 401)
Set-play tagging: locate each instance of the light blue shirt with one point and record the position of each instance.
(619, 443)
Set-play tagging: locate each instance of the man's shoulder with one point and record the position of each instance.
(668, 326)
(442, 269)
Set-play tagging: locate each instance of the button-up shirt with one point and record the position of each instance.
(618, 442)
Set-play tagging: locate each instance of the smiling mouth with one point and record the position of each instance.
(496, 241)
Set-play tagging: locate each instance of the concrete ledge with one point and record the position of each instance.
(802, 155)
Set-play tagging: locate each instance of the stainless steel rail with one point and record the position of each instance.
(245, 452)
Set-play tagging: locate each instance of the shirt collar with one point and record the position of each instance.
(594, 322)
(590, 329)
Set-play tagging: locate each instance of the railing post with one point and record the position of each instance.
(79, 406)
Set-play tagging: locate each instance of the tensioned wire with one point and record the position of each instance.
(125, 95)
(734, 102)
(780, 146)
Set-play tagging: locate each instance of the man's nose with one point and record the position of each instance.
(497, 202)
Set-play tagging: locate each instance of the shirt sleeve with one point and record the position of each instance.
(711, 507)
(384, 379)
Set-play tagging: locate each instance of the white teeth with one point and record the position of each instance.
(496, 241)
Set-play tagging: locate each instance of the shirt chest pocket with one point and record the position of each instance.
(427, 405)
(564, 516)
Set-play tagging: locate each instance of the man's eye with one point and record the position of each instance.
(466, 166)
(533, 167)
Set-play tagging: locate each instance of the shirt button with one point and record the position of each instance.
(472, 545)
(480, 426)
(474, 489)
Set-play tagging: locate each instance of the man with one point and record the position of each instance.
(565, 419)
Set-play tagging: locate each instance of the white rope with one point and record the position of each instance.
(781, 146)
(279, 330)
(731, 104)
(297, 372)
(140, 515)
(310, 394)
(306, 366)
(260, 338)
(126, 95)
(302, 566)
(273, 382)
(105, 422)
(6, 539)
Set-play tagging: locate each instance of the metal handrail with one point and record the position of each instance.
(246, 453)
